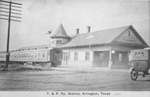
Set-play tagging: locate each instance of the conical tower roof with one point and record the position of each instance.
(60, 33)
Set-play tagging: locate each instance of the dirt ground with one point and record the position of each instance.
(66, 79)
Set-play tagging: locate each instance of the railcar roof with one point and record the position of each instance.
(47, 46)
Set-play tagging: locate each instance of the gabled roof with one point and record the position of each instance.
(60, 32)
(99, 37)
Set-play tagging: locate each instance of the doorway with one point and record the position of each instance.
(65, 58)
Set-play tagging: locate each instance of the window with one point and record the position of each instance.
(43, 55)
(68, 55)
(25, 55)
(38, 54)
(35, 55)
(101, 55)
(142, 53)
(31, 55)
(75, 56)
(53, 41)
(58, 41)
(120, 57)
(57, 55)
(129, 33)
(87, 56)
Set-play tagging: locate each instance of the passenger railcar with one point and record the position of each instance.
(34, 55)
(2, 56)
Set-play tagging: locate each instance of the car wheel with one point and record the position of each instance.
(134, 75)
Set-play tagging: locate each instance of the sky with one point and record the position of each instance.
(41, 16)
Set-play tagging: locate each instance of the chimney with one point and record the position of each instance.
(77, 31)
(88, 29)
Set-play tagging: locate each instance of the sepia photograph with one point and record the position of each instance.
(91, 48)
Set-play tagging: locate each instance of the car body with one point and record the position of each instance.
(140, 62)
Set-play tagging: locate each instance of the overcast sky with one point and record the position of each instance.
(40, 16)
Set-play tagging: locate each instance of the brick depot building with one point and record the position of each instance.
(107, 48)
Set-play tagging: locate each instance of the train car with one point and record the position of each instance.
(140, 62)
(34, 55)
(55, 56)
(2, 57)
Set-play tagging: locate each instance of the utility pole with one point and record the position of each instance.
(9, 11)
(149, 22)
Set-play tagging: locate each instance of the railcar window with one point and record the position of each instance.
(39, 55)
(48, 52)
(26, 55)
(120, 57)
(43, 54)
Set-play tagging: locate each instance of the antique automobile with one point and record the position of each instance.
(140, 62)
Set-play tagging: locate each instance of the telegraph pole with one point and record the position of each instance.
(9, 11)
(149, 23)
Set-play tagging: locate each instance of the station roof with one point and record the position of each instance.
(100, 37)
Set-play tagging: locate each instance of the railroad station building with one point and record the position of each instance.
(105, 48)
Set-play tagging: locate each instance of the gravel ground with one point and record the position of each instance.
(66, 79)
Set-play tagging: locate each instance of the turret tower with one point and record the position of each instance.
(59, 37)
